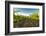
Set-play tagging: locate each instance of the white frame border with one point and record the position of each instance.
(24, 29)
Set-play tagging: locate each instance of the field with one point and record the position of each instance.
(26, 21)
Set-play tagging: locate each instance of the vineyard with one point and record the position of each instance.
(26, 21)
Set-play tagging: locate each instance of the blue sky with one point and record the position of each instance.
(26, 10)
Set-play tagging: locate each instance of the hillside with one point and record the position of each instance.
(26, 21)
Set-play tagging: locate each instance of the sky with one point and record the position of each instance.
(25, 11)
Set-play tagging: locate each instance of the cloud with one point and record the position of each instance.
(23, 14)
